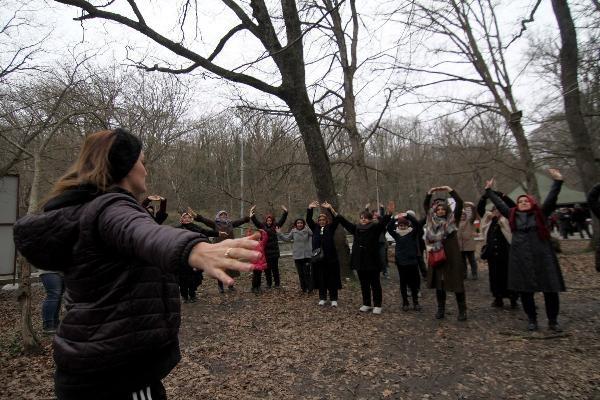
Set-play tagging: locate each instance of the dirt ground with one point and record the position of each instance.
(281, 345)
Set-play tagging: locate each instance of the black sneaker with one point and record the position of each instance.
(417, 307)
(405, 307)
(554, 326)
(532, 325)
(498, 303)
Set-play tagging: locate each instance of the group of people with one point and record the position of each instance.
(125, 274)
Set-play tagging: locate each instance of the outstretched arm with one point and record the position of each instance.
(349, 226)
(481, 205)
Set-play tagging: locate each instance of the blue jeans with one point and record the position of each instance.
(54, 286)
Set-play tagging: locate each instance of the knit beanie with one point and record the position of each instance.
(123, 154)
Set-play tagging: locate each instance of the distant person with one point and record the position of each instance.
(533, 265)
(224, 226)
(54, 286)
(326, 266)
(161, 215)
(497, 236)
(119, 336)
(467, 232)
(441, 235)
(579, 217)
(189, 278)
(366, 259)
(301, 237)
(593, 200)
(272, 251)
(564, 222)
(405, 228)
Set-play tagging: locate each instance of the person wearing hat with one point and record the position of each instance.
(404, 228)
(119, 336)
(532, 263)
(225, 226)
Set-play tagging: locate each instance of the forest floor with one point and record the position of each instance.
(281, 345)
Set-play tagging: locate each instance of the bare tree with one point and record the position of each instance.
(470, 35)
(288, 59)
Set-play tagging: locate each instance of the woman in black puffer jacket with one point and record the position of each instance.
(118, 337)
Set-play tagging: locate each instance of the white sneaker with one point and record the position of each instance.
(333, 303)
(376, 310)
(364, 308)
(321, 302)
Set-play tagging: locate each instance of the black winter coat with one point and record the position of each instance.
(407, 246)
(272, 248)
(365, 246)
(533, 265)
(121, 294)
(323, 237)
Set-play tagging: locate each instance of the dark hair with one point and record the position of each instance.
(366, 214)
(299, 220)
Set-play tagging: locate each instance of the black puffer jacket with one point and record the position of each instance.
(365, 247)
(122, 299)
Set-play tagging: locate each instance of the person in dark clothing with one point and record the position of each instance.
(189, 278)
(224, 226)
(119, 335)
(161, 215)
(404, 228)
(272, 250)
(579, 217)
(327, 269)
(533, 265)
(593, 200)
(441, 235)
(365, 254)
(564, 222)
(496, 247)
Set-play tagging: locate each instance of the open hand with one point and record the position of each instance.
(555, 174)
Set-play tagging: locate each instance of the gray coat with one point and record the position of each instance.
(533, 265)
(302, 247)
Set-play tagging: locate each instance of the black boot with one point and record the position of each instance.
(532, 325)
(441, 303)
(554, 326)
(461, 301)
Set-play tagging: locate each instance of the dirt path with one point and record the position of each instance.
(281, 345)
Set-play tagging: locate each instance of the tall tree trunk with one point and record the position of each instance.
(31, 344)
(587, 162)
(528, 166)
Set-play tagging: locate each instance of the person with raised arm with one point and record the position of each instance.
(444, 259)
(365, 254)
(533, 265)
(161, 215)
(405, 228)
(301, 237)
(224, 226)
(326, 266)
(497, 236)
(466, 238)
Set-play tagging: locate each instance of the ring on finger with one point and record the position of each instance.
(227, 252)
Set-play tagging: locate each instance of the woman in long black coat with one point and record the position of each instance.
(327, 270)
(365, 255)
(441, 231)
(533, 265)
(497, 237)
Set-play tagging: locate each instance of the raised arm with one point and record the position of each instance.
(391, 229)
(240, 221)
(161, 214)
(498, 202)
(283, 216)
(349, 226)
(550, 203)
(200, 218)
(427, 202)
(309, 215)
(481, 205)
